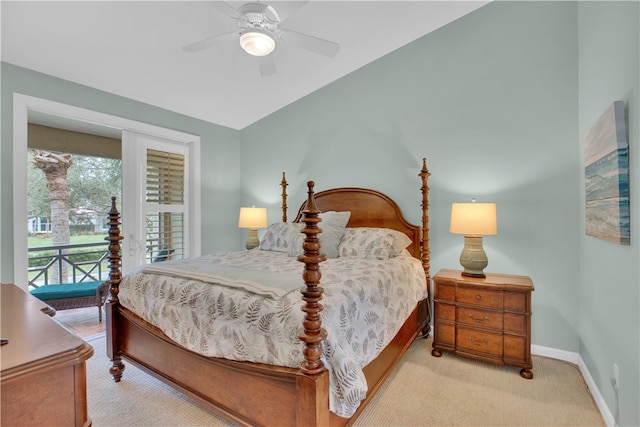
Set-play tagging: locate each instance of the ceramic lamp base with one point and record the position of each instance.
(473, 258)
(252, 239)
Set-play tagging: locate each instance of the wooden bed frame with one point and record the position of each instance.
(258, 394)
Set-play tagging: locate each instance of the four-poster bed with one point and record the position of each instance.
(259, 393)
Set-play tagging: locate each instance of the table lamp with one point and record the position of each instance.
(252, 218)
(474, 220)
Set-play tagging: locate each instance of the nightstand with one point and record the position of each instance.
(486, 319)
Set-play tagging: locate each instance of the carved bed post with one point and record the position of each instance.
(115, 277)
(115, 260)
(312, 380)
(425, 252)
(424, 244)
(284, 184)
(312, 332)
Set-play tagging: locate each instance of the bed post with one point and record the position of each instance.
(425, 252)
(115, 265)
(284, 184)
(312, 380)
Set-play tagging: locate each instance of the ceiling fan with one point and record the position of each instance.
(259, 33)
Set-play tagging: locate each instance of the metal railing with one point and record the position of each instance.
(84, 262)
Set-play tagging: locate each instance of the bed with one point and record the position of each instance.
(278, 385)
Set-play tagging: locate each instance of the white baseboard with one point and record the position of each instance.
(576, 359)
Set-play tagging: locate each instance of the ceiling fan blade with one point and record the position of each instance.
(311, 43)
(226, 8)
(288, 8)
(267, 65)
(210, 42)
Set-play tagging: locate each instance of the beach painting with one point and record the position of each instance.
(606, 158)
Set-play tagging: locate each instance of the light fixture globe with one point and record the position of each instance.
(257, 43)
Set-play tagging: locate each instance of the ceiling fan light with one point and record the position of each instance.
(257, 43)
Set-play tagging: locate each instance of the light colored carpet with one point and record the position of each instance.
(421, 391)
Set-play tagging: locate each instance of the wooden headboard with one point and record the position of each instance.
(369, 208)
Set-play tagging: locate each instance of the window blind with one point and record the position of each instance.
(165, 216)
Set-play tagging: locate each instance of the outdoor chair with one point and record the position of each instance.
(74, 295)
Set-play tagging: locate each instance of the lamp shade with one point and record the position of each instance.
(257, 43)
(473, 219)
(252, 218)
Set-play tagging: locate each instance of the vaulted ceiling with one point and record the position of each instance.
(134, 49)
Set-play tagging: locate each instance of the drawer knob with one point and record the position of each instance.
(478, 297)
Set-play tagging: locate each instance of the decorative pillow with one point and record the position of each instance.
(400, 242)
(333, 226)
(295, 247)
(278, 236)
(375, 243)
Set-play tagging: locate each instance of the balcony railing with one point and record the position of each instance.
(84, 262)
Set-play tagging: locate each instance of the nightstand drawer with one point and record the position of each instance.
(446, 333)
(445, 311)
(515, 323)
(479, 341)
(516, 350)
(481, 297)
(445, 290)
(515, 301)
(484, 318)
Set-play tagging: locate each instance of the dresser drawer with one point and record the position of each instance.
(515, 323)
(445, 333)
(480, 297)
(444, 311)
(479, 341)
(516, 350)
(445, 290)
(479, 317)
(515, 301)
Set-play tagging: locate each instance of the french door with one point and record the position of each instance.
(149, 220)
(156, 208)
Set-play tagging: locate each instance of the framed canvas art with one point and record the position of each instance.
(606, 157)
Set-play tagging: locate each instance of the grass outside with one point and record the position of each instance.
(37, 242)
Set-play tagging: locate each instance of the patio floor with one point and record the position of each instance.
(81, 321)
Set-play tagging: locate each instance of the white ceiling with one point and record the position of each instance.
(134, 49)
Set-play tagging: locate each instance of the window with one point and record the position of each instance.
(165, 224)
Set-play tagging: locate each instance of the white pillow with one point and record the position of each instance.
(376, 243)
(333, 226)
(279, 235)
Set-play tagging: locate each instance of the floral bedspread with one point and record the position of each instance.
(366, 301)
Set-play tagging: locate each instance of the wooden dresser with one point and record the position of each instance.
(486, 319)
(43, 378)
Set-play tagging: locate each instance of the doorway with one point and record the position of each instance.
(29, 109)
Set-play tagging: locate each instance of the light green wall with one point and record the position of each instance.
(498, 102)
(609, 299)
(219, 145)
(490, 100)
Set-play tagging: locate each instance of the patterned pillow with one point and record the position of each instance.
(374, 243)
(278, 236)
(333, 226)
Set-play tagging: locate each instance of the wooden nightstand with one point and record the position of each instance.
(486, 319)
